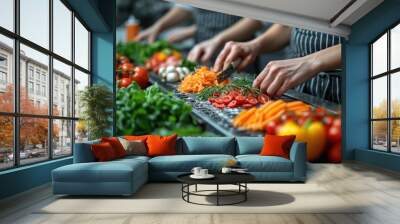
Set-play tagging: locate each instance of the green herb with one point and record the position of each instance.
(189, 64)
(242, 84)
(151, 110)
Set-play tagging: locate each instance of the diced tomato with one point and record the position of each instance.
(252, 100)
(240, 99)
(234, 93)
(262, 98)
(227, 99)
(247, 105)
(233, 104)
(218, 105)
(219, 101)
(216, 94)
(211, 100)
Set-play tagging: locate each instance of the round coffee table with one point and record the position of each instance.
(238, 179)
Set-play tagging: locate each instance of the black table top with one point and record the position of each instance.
(220, 178)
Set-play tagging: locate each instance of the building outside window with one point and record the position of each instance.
(58, 125)
(385, 94)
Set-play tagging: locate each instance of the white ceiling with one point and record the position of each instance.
(331, 16)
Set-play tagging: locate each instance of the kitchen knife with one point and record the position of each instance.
(226, 73)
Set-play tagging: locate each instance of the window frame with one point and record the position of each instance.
(388, 74)
(16, 115)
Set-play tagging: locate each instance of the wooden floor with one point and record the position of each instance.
(377, 188)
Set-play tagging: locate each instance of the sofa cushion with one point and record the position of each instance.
(112, 171)
(257, 163)
(103, 152)
(207, 145)
(249, 145)
(161, 145)
(185, 163)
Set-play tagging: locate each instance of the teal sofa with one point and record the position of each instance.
(125, 176)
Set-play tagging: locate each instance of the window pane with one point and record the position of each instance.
(6, 74)
(81, 131)
(7, 14)
(33, 139)
(395, 135)
(62, 29)
(81, 45)
(379, 97)
(62, 138)
(34, 72)
(35, 21)
(62, 89)
(6, 142)
(379, 55)
(379, 135)
(81, 81)
(395, 47)
(395, 94)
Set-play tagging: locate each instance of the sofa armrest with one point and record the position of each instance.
(83, 152)
(298, 155)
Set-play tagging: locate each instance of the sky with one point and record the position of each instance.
(35, 27)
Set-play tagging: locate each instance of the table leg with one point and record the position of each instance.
(217, 194)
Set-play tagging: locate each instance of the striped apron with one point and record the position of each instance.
(325, 85)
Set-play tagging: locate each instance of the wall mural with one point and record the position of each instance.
(162, 90)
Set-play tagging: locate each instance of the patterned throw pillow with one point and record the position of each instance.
(134, 147)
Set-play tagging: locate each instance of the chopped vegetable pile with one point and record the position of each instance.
(199, 80)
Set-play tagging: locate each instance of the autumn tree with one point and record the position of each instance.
(33, 131)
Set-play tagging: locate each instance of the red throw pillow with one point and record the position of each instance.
(116, 145)
(103, 151)
(277, 145)
(161, 145)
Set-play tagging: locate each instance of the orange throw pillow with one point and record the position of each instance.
(116, 145)
(277, 145)
(136, 137)
(103, 152)
(161, 145)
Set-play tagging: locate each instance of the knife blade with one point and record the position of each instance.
(226, 73)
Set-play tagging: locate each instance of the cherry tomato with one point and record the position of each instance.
(216, 94)
(124, 82)
(334, 153)
(272, 127)
(337, 122)
(211, 100)
(247, 105)
(240, 99)
(287, 117)
(233, 104)
(262, 98)
(219, 101)
(328, 120)
(227, 99)
(141, 77)
(218, 105)
(252, 100)
(127, 68)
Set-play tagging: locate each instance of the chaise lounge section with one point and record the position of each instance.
(125, 176)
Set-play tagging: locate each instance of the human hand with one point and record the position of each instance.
(150, 34)
(279, 76)
(202, 52)
(245, 51)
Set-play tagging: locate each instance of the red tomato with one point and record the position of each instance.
(234, 94)
(262, 98)
(127, 68)
(233, 104)
(240, 99)
(141, 77)
(211, 100)
(287, 117)
(247, 105)
(252, 100)
(218, 105)
(272, 127)
(334, 153)
(124, 82)
(216, 94)
(337, 122)
(227, 99)
(335, 134)
(219, 101)
(328, 120)
(320, 113)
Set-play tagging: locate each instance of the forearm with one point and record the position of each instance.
(327, 59)
(174, 16)
(184, 34)
(275, 38)
(240, 31)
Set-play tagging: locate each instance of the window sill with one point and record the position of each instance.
(30, 166)
(390, 161)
